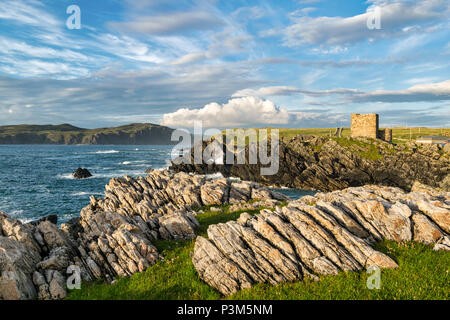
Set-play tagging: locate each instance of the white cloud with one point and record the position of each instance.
(423, 80)
(236, 112)
(223, 43)
(437, 91)
(39, 68)
(10, 46)
(129, 48)
(267, 91)
(90, 101)
(422, 92)
(249, 12)
(397, 18)
(29, 12)
(178, 22)
(191, 58)
(286, 91)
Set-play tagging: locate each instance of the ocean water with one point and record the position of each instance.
(36, 180)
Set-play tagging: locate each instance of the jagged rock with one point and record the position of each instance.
(425, 230)
(17, 264)
(59, 259)
(240, 192)
(319, 235)
(322, 163)
(72, 228)
(437, 211)
(261, 194)
(57, 286)
(446, 148)
(82, 173)
(420, 187)
(254, 205)
(215, 193)
(315, 235)
(216, 270)
(52, 236)
(178, 226)
(445, 183)
(53, 218)
(112, 237)
(14, 229)
(443, 244)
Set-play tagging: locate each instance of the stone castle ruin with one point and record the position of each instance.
(366, 125)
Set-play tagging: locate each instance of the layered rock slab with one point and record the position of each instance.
(113, 235)
(318, 235)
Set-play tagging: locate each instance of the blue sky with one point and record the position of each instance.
(290, 63)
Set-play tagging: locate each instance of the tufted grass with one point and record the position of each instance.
(422, 274)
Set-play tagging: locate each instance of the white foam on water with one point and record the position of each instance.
(82, 193)
(113, 174)
(26, 220)
(15, 213)
(133, 162)
(65, 176)
(119, 173)
(105, 152)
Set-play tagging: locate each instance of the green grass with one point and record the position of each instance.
(422, 274)
(399, 134)
(365, 150)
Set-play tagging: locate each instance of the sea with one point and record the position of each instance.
(36, 180)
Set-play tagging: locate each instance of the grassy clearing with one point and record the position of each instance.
(423, 274)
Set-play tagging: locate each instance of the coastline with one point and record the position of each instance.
(114, 236)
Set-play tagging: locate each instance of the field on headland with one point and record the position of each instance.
(399, 134)
(422, 274)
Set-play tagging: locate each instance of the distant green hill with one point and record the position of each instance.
(132, 134)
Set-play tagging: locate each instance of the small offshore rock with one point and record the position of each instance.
(82, 173)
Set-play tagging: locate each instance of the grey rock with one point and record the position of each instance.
(319, 235)
(17, 263)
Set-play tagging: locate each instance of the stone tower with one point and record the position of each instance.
(365, 125)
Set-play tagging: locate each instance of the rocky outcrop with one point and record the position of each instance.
(314, 235)
(113, 235)
(328, 164)
(319, 235)
(81, 173)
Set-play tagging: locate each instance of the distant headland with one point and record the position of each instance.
(132, 134)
